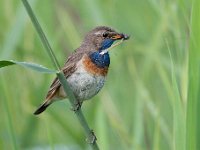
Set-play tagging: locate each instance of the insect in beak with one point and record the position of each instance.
(120, 36)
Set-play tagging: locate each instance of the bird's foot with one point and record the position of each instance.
(92, 138)
(77, 106)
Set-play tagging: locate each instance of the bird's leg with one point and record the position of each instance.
(77, 106)
(92, 138)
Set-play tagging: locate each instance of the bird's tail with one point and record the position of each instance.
(42, 107)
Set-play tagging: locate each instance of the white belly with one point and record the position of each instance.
(83, 84)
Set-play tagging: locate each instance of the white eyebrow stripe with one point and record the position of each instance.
(98, 33)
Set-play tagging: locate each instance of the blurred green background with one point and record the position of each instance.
(143, 104)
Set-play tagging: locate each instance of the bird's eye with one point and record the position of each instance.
(105, 34)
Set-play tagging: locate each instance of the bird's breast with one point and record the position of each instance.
(86, 81)
(92, 68)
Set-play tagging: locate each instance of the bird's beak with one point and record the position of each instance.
(120, 36)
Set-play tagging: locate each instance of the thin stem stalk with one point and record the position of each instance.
(41, 34)
(91, 138)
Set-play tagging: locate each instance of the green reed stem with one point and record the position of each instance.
(91, 139)
(41, 34)
(193, 102)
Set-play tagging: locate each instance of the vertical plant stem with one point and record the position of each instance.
(193, 103)
(41, 34)
(91, 138)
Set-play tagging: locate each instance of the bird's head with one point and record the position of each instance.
(103, 37)
(97, 42)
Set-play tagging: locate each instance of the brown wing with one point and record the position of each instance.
(68, 70)
(70, 67)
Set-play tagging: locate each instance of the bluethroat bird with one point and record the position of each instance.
(86, 68)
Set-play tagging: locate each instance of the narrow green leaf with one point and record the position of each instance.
(36, 67)
(4, 63)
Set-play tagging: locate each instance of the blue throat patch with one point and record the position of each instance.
(102, 60)
(106, 44)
